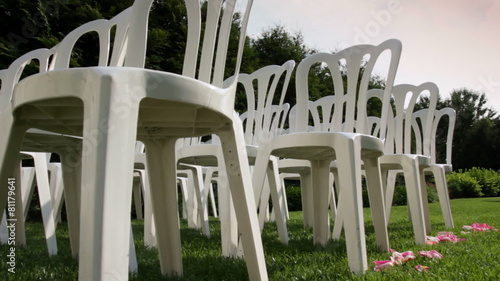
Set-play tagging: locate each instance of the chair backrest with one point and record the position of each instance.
(403, 138)
(264, 118)
(208, 65)
(128, 46)
(277, 127)
(400, 119)
(12, 75)
(356, 63)
(103, 28)
(59, 56)
(418, 123)
(400, 126)
(439, 114)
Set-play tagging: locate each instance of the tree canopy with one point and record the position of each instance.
(28, 25)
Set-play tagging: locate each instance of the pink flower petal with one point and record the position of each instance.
(430, 240)
(401, 258)
(380, 265)
(479, 227)
(421, 268)
(433, 254)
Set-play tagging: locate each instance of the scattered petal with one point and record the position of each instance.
(433, 254)
(381, 265)
(401, 258)
(482, 227)
(431, 240)
(421, 268)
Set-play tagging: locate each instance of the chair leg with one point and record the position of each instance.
(377, 206)
(4, 234)
(14, 215)
(106, 190)
(42, 179)
(227, 215)
(19, 215)
(444, 199)
(138, 198)
(27, 186)
(332, 197)
(320, 172)
(210, 189)
(339, 218)
(202, 210)
(389, 184)
(240, 183)
(264, 205)
(71, 165)
(162, 169)
(285, 199)
(425, 201)
(191, 200)
(10, 144)
(277, 194)
(149, 226)
(132, 259)
(413, 190)
(56, 190)
(183, 186)
(349, 170)
(307, 199)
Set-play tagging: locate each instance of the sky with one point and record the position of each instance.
(453, 43)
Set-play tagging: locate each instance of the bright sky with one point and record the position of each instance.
(453, 43)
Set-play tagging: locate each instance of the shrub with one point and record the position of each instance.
(432, 195)
(462, 185)
(399, 197)
(294, 198)
(488, 179)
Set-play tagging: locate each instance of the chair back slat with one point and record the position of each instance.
(350, 70)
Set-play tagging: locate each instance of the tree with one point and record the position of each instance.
(276, 45)
(477, 135)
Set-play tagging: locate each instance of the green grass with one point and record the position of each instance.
(478, 258)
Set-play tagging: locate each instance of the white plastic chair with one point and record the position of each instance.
(111, 107)
(35, 140)
(339, 142)
(439, 170)
(400, 157)
(261, 121)
(68, 147)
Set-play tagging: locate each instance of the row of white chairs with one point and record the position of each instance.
(97, 115)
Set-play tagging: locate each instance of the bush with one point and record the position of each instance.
(294, 198)
(399, 198)
(432, 195)
(488, 179)
(462, 185)
(400, 194)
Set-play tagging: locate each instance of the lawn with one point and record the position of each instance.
(478, 258)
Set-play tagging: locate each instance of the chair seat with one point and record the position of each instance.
(204, 154)
(447, 168)
(394, 161)
(182, 110)
(294, 166)
(317, 145)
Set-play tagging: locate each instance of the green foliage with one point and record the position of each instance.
(477, 131)
(488, 179)
(276, 45)
(293, 197)
(462, 185)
